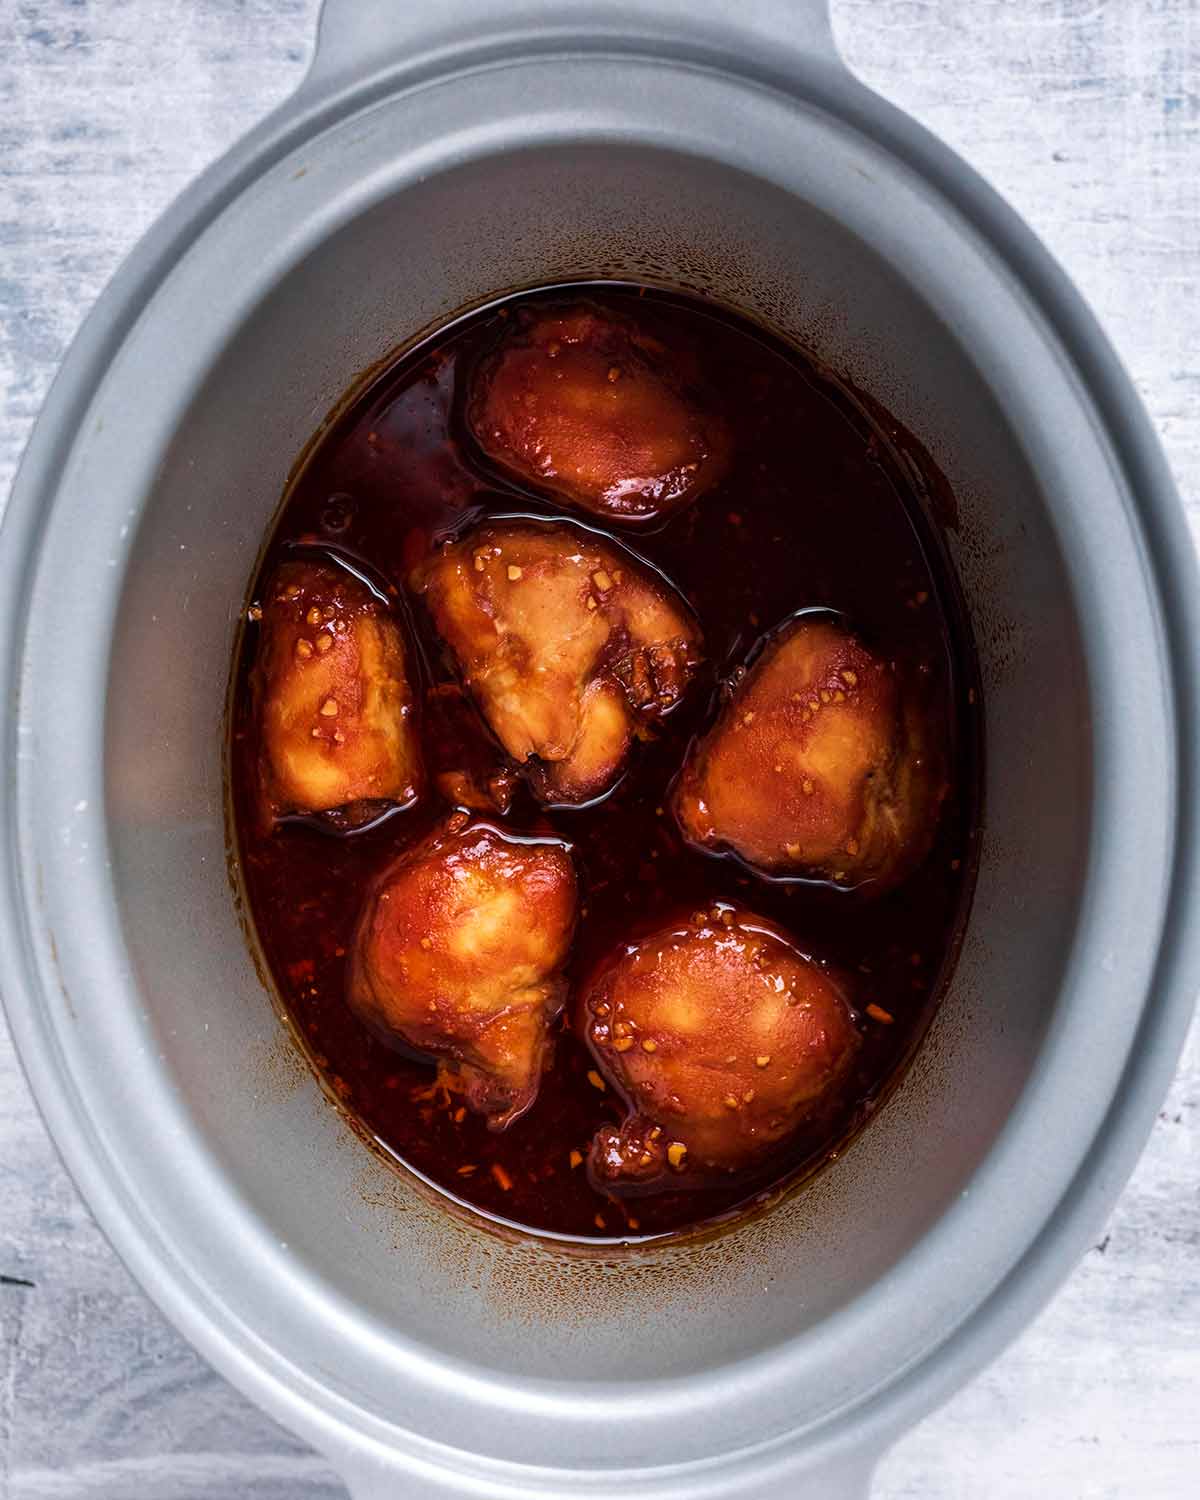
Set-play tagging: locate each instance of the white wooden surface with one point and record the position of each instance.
(1086, 115)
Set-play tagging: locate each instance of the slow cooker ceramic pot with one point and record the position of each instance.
(435, 156)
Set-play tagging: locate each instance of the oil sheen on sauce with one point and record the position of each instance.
(829, 504)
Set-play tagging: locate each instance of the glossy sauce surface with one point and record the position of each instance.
(827, 505)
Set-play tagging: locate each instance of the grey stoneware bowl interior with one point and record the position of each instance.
(738, 159)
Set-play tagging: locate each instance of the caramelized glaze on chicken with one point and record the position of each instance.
(458, 957)
(588, 407)
(332, 695)
(426, 971)
(721, 1037)
(568, 644)
(822, 763)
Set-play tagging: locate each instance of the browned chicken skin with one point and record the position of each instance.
(721, 1038)
(567, 643)
(458, 956)
(587, 407)
(823, 763)
(332, 696)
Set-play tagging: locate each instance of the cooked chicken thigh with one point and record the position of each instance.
(568, 644)
(721, 1037)
(332, 695)
(824, 763)
(589, 408)
(458, 957)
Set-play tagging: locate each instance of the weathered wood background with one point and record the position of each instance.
(1086, 115)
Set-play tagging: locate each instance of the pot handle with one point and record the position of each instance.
(358, 37)
(846, 1478)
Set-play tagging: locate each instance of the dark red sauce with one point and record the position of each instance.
(827, 505)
